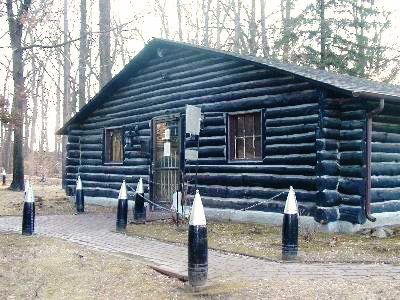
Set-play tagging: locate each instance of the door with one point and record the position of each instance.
(166, 159)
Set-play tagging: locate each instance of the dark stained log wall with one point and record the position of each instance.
(219, 85)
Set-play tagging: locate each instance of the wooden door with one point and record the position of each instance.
(166, 159)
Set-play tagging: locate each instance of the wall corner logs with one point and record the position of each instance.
(311, 140)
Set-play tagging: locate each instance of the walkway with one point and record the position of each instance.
(97, 231)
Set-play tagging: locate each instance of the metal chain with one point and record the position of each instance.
(262, 202)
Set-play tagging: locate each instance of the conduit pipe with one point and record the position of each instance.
(368, 160)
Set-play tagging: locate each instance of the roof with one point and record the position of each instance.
(348, 84)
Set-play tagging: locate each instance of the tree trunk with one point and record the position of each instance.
(286, 6)
(323, 62)
(104, 42)
(264, 36)
(15, 23)
(206, 9)
(179, 12)
(236, 42)
(253, 29)
(82, 56)
(218, 21)
(67, 95)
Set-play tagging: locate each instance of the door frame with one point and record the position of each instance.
(181, 144)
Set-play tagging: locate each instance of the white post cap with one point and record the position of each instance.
(197, 216)
(291, 203)
(123, 195)
(139, 187)
(4, 172)
(29, 195)
(79, 183)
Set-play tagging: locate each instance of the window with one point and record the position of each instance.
(113, 145)
(245, 136)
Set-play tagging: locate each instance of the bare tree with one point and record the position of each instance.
(253, 29)
(206, 13)
(104, 42)
(264, 37)
(83, 52)
(179, 12)
(16, 22)
(237, 9)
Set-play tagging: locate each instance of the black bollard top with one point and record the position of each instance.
(139, 187)
(291, 203)
(197, 216)
(79, 183)
(123, 195)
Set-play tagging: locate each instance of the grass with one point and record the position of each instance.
(265, 241)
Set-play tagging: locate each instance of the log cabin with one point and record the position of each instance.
(266, 126)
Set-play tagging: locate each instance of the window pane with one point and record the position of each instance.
(117, 145)
(257, 146)
(257, 124)
(249, 124)
(249, 148)
(239, 148)
(240, 125)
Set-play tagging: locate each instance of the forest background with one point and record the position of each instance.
(56, 55)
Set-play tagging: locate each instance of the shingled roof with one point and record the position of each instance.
(347, 84)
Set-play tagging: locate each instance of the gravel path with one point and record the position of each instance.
(97, 231)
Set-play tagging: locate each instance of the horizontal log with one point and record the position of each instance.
(211, 131)
(213, 121)
(385, 157)
(250, 192)
(92, 154)
(352, 124)
(385, 194)
(385, 181)
(328, 133)
(352, 171)
(306, 209)
(333, 123)
(207, 161)
(385, 168)
(182, 89)
(327, 155)
(73, 139)
(384, 137)
(91, 147)
(324, 215)
(71, 146)
(352, 200)
(307, 119)
(295, 159)
(246, 168)
(283, 149)
(326, 144)
(327, 167)
(351, 186)
(351, 214)
(261, 180)
(385, 147)
(328, 198)
(353, 145)
(355, 134)
(352, 115)
(384, 118)
(120, 170)
(72, 161)
(351, 158)
(73, 154)
(298, 110)
(308, 137)
(206, 141)
(107, 178)
(288, 130)
(387, 206)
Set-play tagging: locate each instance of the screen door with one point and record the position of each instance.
(166, 159)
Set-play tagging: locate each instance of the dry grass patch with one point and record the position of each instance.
(50, 199)
(265, 241)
